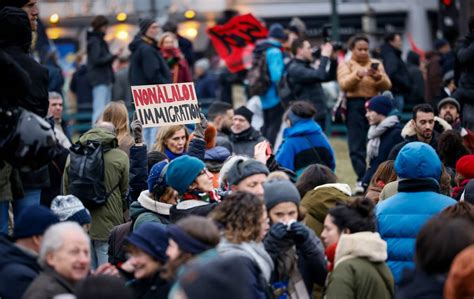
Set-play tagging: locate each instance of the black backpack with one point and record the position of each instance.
(285, 88)
(258, 76)
(87, 174)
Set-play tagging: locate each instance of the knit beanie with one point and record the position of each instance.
(245, 112)
(243, 169)
(157, 175)
(380, 104)
(144, 24)
(13, 3)
(465, 166)
(186, 242)
(33, 221)
(182, 172)
(152, 238)
(277, 31)
(279, 191)
(70, 208)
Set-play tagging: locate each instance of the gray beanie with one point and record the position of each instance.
(278, 191)
(243, 169)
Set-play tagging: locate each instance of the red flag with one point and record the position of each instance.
(235, 40)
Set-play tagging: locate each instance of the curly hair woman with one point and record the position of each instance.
(244, 222)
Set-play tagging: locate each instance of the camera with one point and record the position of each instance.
(326, 33)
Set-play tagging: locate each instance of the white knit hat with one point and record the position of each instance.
(70, 208)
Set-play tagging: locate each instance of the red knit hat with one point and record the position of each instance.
(465, 166)
(461, 276)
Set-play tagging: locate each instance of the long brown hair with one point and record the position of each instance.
(240, 214)
(165, 133)
(117, 114)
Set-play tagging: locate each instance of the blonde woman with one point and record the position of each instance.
(117, 114)
(172, 141)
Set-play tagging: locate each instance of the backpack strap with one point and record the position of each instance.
(314, 150)
(111, 191)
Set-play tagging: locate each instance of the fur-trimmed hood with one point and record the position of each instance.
(409, 128)
(366, 245)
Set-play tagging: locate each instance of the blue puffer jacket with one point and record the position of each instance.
(275, 64)
(300, 142)
(400, 217)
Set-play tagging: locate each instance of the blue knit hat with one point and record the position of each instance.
(380, 104)
(183, 171)
(151, 238)
(157, 175)
(277, 31)
(33, 221)
(186, 242)
(70, 208)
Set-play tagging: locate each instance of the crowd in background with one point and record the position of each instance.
(224, 208)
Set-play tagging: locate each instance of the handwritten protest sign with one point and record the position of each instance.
(235, 40)
(166, 104)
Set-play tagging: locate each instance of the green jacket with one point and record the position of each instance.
(145, 209)
(360, 271)
(116, 172)
(317, 202)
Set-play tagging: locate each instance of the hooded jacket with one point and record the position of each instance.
(360, 270)
(15, 40)
(318, 201)
(244, 143)
(116, 166)
(99, 59)
(304, 143)
(147, 66)
(400, 217)
(18, 269)
(147, 209)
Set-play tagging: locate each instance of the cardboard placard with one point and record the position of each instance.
(166, 104)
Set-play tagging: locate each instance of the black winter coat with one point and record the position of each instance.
(419, 285)
(15, 41)
(465, 62)
(305, 82)
(147, 66)
(138, 177)
(395, 69)
(244, 143)
(153, 288)
(388, 141)
(310, 257)
(17, 270)
(99, 59)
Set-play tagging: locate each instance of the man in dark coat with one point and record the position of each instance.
(244, 137)
(391, 54)
(99, 65)
(18, 260)
(147, 66)
(384, 133)
(305, 81)
(465, 92)
(417, 91)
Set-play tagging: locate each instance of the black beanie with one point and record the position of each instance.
(144, 24)
(245, 112)
(13, 3)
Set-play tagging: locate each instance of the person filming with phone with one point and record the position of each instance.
(360, 78)
(305, 80)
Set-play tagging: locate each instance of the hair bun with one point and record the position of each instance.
(364, 206)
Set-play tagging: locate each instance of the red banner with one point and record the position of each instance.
(235, 40)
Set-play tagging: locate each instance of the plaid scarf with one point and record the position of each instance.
(209, 197)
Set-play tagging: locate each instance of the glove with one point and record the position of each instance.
(201, 127)
(278, 231)
(299, 232)
(137, 130)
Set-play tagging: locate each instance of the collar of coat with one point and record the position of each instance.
(409, 128)
(418, 185)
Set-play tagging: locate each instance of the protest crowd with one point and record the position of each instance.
(162, 198)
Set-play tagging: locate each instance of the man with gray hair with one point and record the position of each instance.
(55, 113)
(65, 257)
(206, 83)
